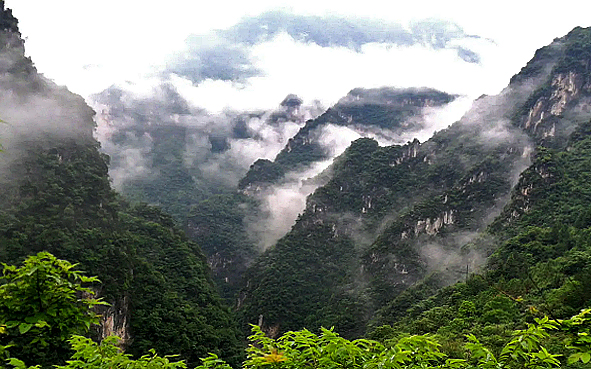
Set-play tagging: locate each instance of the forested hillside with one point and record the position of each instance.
(56, 196)
(376, 112)
(541, 267)
(385, 113)
(167, 153)
(542, 232)
(418, 215)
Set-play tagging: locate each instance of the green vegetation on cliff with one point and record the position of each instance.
(158, 279)
(542, 266)
(55, 196)
(418, 215)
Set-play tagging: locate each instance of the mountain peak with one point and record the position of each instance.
(562, 76)
(12, 46)
(292, 101)
(7, 21)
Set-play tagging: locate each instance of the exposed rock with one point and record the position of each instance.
(115, 321)
(432, 226)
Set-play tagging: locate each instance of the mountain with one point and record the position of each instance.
(540, 267)
(166, 152)
(56, 196)
(271, 194)
(478, 229)
(195, 164)
(379, 112)
(394, 224)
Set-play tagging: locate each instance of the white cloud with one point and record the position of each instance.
(282, 203)
(88, 45)
(314, 72)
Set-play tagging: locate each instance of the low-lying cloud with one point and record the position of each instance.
(233, 73)
(224, 90)
(34, 113)
(32, 108)
(282, 203)
(215, 148)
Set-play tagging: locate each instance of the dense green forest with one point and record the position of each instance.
(394, 226)
(543, 266)
(56, 197)
(42, 319)
(382, 108)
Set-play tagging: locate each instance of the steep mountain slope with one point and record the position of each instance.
(56, 196)
(220, 225)
(390, 216)
(542, 266)
(385, 112)
(264, 208)
(168, 153)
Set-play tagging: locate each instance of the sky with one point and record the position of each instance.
(89, 46)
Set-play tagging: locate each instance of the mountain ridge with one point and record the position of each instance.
(476, 163)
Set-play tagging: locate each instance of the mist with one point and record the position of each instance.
(288, 65)
(223, 90)
(222, 94)
(34, 111)
(283, 202)
(448, 254)
(228, 54)
(215, 148)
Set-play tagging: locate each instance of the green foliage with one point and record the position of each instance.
(262, 171)
(545, 268)
(90, 355)
(525, 349)
(373, 190)
(329, 350)
(550, 183)
(526, 346)
(579, 339)
(297, 284)
(107, 354)
(218, 224)
(156, 278)
(172, 184)
(547, 55)
(542, 257)
(41, 307)
(383, 108)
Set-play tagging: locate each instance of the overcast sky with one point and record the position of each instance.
(222, 54)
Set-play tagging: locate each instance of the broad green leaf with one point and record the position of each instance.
(574, 358)
(16, 363)
(24, 327)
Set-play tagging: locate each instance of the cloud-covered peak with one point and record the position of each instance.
(332, 31)
(396, 96)
(226, 54)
